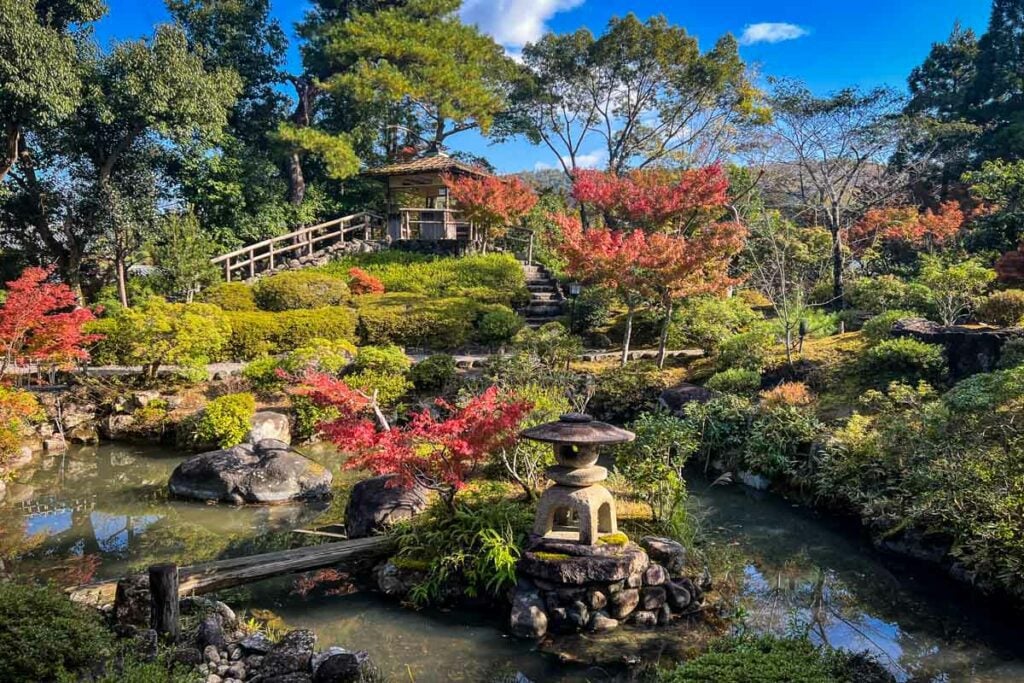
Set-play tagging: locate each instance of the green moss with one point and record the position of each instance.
(552, 557)
(618, 538)
(411, 564)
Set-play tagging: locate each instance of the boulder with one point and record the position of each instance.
(644, 619)
(622, 604)
(84, 434)
(666, 552)
(652, 598)
(268, 472)
(269, 425)
(674, 399)
(338, 665)
(377, 502)
(678, 594)
(528, 619)
(969, 350)
(655, 575)
(572, 564)
(599, 621)
(292, 654)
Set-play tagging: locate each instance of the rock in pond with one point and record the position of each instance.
(377, 502)
(267, 472)
(267, 424)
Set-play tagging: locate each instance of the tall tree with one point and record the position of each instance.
(997, 95)
(827, 163)
(40, 82)
(421, 56)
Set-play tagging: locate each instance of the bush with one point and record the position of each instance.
(551, 344)
(320, 355)
(768, 659)
(1004, 309)
(787, 394)
(414, 321)
(225, 421)
(44, 635)
(18, 409)
(592, 309)
(780, 441)
(879, 328)
(705, 322)
(1012, 355)
(158, 333)
(903, 359)
(388, 386)
(298, 289)
(748, 350)
(309, 416)
(434, 374)
(499, 325)
(888, 292)
(622, 394)
(260, 333)
(230, 296)
(735, 381)
(652, 464)
(488, 278)
(721, 426)
(362, 282)
(384, 359)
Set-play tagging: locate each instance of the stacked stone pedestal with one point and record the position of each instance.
(566, 587)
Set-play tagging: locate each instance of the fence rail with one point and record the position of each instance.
(260, 257)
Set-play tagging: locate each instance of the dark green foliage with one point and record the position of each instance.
(879, 328)
(780, 441)
(705, 322)
(415, 321)
(476, 548)
(231, 296)
(300, 289)
(768, 659)
(903, 359)
(43, 634)
(592, 309)
(735, 381)
(550, 343)
(1012, 355)
(498, 326)
(888, 292)
(653, 463)
(621, 394)
(748, 350)
(434, 374)
(721, 425)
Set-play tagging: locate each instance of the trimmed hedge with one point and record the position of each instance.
(231, 296)
(415, 320)
(261, 333)
(300, 289)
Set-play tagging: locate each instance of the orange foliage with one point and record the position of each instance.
(787, 394)
(906, 225)
(362, 282)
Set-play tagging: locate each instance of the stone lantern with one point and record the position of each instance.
(577, 476)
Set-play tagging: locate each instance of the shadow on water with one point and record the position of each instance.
(101, 512)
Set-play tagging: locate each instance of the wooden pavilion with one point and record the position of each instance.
(418, 205)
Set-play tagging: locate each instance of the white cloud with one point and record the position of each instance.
(595, 159)
(514, 23)
(771, 32)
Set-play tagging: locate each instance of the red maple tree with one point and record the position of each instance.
(437, 449)
(906, 226)
(654, 199)
(361, 282)
(493, 203)
(41, 322)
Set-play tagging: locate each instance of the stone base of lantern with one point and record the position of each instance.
(566, 587)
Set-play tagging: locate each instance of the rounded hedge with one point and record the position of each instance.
(231, 296)
(1005, 309)
(294, 290)
(434, 373)
(735, 381)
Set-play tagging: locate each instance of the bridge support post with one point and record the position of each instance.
(163, 591)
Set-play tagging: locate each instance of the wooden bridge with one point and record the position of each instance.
(263, 257)
(213, 576)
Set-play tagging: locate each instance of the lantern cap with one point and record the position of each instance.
(577, 428)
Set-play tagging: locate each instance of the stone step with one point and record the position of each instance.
(541, 309)
(544, 296)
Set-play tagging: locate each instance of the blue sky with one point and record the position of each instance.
(828, 44)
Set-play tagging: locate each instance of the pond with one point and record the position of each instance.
(99, 512)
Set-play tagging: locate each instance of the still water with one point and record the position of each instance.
(99, 512)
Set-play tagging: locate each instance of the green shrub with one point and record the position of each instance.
(309, 416)
(320, 355)
(652, 464)
(1012, 355)
(592, 309)
(735, 381)
(904, 359)
(158, 333)
(769, 659)
(388, 386)
(262, 374)
(888, 292)
(297, 289)
(385, 359)
(1005, 309)
(780, 441)
(434, 374)
(260, 333)
(704, 322)
(747, 350)
(879, 328)
(476, 548)
(721, 426)
(44, 635)
(486, 278)
(412, 320)
(621, 394)
(551, 344)
(225, 421)
(498, 326)
(230, 296)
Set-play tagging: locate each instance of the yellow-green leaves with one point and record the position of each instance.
(336, 150)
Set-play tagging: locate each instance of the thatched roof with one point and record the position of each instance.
(437, 163)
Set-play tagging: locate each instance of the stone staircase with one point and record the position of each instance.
(546, 300)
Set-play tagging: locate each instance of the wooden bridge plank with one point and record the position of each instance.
(213, 576)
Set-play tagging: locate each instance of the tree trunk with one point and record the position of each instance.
(838, 290)
(12, 136)
(628, 335)
(296, 180)
(663, 341)
(122, 279)
(306, 92)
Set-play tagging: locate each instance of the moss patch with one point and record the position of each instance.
(619, 539)
(552, 557)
